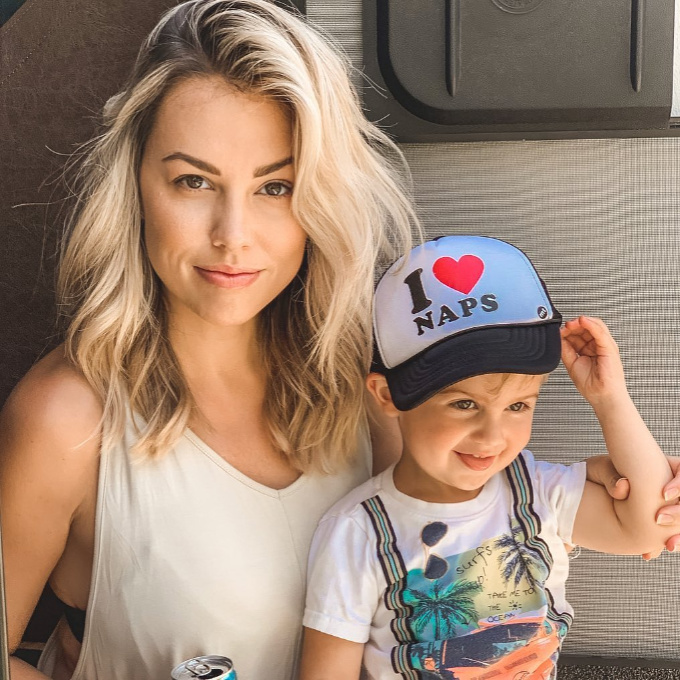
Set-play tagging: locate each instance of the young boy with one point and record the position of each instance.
(452, 564)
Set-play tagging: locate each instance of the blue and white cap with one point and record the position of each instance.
(461, 306)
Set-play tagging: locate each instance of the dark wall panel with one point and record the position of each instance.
(8, 8)
(59, 62)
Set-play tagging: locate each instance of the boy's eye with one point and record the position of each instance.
(276, 189)
(518, 406)
(193, 182)
(463, 404)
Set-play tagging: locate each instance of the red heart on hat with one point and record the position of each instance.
(461, 275)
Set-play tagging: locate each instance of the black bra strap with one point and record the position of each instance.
(76, 621)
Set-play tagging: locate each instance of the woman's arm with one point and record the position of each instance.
(47, 458)
(19, 670)
(325, 657)
(626, 527)
(601, 470)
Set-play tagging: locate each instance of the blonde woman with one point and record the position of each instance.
(165, 468)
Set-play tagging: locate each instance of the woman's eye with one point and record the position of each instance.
(518, 406)
(276, 189)
(463, 404)
(193, 182)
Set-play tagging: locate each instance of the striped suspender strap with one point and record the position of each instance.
(392, 565)
(530, 525)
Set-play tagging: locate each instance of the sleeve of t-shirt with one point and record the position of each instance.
(342, 592)
(561, 488)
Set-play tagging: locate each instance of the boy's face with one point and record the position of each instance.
(459, 438)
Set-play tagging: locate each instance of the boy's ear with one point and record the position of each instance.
(376, 384)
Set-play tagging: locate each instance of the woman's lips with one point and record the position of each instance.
(228, 278)
(476, 464)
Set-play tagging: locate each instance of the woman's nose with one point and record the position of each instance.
(231, 224)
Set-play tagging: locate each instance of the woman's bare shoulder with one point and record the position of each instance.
(53, 408)
(49, 459)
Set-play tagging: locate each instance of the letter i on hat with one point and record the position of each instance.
(461, 306)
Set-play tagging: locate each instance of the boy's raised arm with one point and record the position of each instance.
(602, 523)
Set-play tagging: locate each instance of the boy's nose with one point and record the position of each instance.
(488, 435)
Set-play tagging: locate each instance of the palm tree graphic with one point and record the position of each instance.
(444, 607)
(517, 560)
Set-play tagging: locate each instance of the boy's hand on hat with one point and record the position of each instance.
(591, 357)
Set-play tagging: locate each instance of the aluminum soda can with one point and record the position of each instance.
(205, 668)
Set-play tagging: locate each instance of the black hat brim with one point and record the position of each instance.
(531, 350)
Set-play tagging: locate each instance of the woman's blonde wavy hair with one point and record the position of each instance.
(350, 197)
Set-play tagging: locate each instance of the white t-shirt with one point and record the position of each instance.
(467, 591)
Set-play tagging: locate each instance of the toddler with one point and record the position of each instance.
(452, 563)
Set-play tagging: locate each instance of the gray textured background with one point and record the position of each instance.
(599, 220)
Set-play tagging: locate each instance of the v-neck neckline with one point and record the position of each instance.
(241, 476)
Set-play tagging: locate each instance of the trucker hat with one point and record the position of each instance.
(460, 306)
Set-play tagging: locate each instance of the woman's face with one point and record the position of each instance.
(216, 181)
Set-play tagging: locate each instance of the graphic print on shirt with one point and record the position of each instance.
(478, 615)
(485, 617)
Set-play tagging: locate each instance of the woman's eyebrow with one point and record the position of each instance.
(196, 162)
(208, 167)
(272, 167)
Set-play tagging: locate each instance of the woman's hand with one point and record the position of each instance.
(601, 470)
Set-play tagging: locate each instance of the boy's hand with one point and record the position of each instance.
(592, 360)
(623, 527)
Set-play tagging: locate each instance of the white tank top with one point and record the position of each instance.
(194, 558)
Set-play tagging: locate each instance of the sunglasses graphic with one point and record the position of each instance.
(435, 566)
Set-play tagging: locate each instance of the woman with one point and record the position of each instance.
(165, 467)
(169, 462)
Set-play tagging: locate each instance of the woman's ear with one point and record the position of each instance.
(376, 384)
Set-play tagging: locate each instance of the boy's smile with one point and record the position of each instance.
(456, 440)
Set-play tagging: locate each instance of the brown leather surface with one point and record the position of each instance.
(59, 62)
